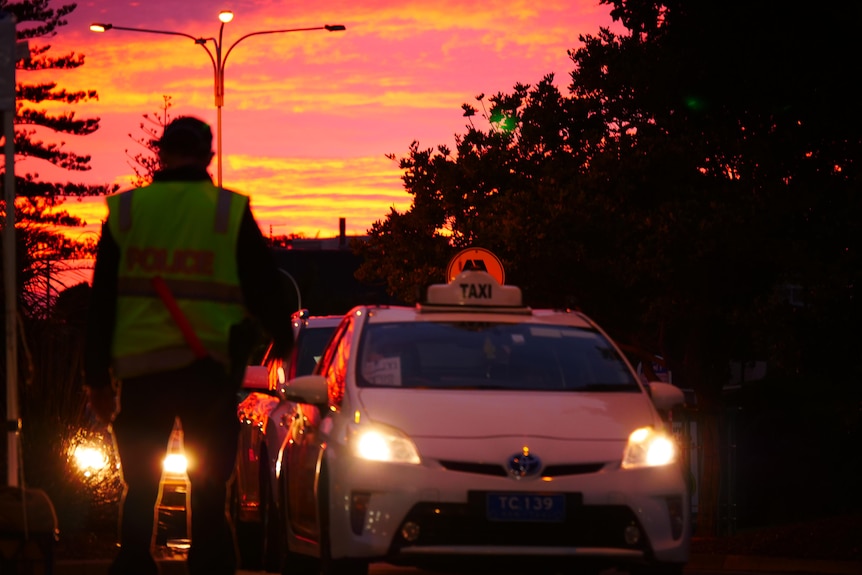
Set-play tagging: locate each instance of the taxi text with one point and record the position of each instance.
(476, 291)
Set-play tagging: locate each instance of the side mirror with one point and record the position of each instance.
(256, 378)
(310, 389)
(665, 396)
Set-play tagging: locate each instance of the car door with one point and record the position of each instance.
(304, 447)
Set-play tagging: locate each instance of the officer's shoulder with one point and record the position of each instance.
(240, 194)
(125, 191)
(236, 193)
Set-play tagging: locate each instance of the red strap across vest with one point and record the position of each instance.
(179, 317)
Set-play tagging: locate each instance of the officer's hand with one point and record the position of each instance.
(103, 402)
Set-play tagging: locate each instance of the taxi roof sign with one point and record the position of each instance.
(476, 259)
(474, 288)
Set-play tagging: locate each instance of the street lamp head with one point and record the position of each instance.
(98, 27)
(335, 27)
(225, 16)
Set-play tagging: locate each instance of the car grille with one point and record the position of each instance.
(572, 469)
(497, 470)
(480, 468)
(466, 524)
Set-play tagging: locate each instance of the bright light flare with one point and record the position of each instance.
(648, 447)
(661, 452)
(175, 464)
(373, 446)
(90, 459)
(384, 444)
(225, 16)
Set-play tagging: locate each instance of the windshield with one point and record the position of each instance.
(476, 355)
(310, 345)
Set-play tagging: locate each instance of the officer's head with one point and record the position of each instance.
(185, 141)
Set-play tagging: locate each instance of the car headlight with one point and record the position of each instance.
(382, 443)
(648, 447)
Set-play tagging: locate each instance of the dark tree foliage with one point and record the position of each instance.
(37, 213)
(146, 163)
(37, 20)
(507, 189)
(742, 169)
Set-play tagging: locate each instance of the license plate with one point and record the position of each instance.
(525, 507)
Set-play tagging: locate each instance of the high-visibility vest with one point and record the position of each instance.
(186, 233)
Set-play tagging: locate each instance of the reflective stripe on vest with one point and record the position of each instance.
(181, 289)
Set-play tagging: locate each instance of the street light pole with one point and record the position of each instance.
(218, 59)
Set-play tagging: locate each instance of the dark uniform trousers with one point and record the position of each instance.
(204, 399)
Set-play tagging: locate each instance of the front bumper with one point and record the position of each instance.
(411, 514)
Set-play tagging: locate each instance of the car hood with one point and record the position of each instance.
(476, 414)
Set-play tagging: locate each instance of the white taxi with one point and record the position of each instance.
(471, 427)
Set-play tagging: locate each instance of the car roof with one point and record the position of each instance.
(474, 296)
(392, 314)
(302, 320)
(323, 320)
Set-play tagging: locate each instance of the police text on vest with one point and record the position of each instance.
(162, 260)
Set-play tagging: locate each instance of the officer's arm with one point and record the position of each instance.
(102, 313)
(263, 285)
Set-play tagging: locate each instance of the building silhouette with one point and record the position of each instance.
(323, 270)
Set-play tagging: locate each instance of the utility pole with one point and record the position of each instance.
(8, 58)
(37, 521)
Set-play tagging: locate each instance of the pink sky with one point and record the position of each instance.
(308, 116)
